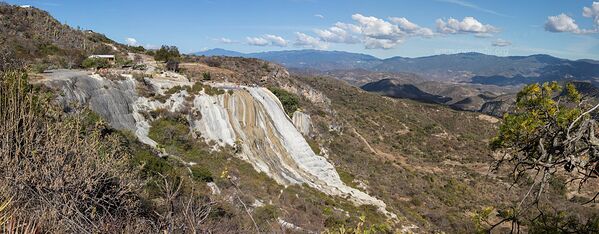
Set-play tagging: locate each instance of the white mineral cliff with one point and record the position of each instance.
(249, 118)
(302, 122)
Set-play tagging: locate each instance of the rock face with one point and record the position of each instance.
(251, 119)
(302, 122)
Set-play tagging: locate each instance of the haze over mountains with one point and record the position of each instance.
(464, 67)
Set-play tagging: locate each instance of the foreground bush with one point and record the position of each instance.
(62, 171)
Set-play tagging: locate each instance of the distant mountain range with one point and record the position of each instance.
(307, 59)
(464, 67)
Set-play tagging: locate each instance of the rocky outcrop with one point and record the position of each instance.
(110, 99)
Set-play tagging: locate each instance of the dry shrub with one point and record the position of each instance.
(65, 172)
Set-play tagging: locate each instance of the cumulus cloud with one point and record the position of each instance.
(501, 43)
(305, 40)
(373, 27)
(561, 23)
(131, 41)
(257, 41)
(374, 43)
(466, 25)
(373, 32)
(276, 40)
(592, 12)
(319, 16)
(349, 27)
(267, 39)
(338, 34)
(225, 40)
(381, 34)
(412, 28)
(564, 23)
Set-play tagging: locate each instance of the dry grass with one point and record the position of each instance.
(63, 173)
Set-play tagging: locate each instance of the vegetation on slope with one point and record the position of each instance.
(289, 101)
(429, 164)
(304, 206)
(35, 37)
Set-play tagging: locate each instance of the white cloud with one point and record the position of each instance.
(467, 25)
(257, 41)
(592, 12)
(349, 27)
(225, 40)
(131, 41)
(377, 28)
(412, 28)
(561, 23)
(276, 40)
(305, 40)
(337, 34)
(564, 23)
(501, 43)
(319, 16)
(267, 39)
(378, 33)
(373, 32)
(373, 43)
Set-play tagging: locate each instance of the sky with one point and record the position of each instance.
(383, 28)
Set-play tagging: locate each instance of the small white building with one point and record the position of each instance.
(108, 57)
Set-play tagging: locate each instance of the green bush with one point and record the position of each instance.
(206, 76)
(171, 132)
(39, 67)
(200, 173)
(213, 91)
(265, 214)
(49, 49)
(96, 63)
(151, 164)
(290, 101)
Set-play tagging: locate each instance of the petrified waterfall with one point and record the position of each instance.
(249, 118)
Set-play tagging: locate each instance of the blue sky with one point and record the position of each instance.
(384, 28)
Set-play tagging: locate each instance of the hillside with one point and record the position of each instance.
(32, 36)
(466, 97)
(393, 88)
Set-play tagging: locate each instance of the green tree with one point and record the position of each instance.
(549, 132)
(167, 53)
